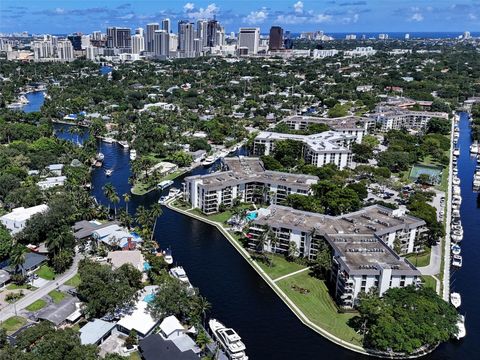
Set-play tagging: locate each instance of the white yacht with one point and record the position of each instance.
(456, 181)
(108, 172)
(230, 341)
(123, 143)
(456, 249)
(165, 184)
(457, 261)
(179, 273)
(456, 152)
(100, 156)
(456, 299)
(133, 154)
(462, 331)
(108, 140)
(474, 148)
(167, 256)
(163, 200)
(174, 192)
(208, 161)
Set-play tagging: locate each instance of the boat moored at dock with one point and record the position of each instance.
(230, 341)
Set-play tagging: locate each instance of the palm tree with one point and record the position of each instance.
(156, 211)
(108, 191)
(17, 257)
(126, 198)
(144, 220)
(115, 199)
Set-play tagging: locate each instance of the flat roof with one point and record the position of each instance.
(139, 319)
(23, 214)
(94, 331)
(339, 123)
(362, 254)
(132, 257)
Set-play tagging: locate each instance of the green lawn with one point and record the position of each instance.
(74, 281)
(135, 356)
(56, 296)
(429, 282)
(318, 306)
(45, 272)
(220, 217)
(23, 286)
(279, 267)
(37, 305)
(13, 323)
(421, 259)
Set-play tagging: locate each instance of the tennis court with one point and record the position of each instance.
(434, 172)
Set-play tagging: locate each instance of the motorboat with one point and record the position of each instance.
(456, 152)
(457, 261)
(165, 184)
(100, 156)
(133, 154)
(456, 213)
(456, 249)
(208, 161)
(456, 181)
(108, 172)
(167, 256)
(456, 190)
(123, 143)
(456, 299)
(229, 340)
(462, 331)
(163, 200)
(108, 140)
(174, 192)
(179, 273)
(474, 148)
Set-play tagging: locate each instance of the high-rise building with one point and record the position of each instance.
(275, 40)
(173, 39)
(166, 25)
(76, 40)
(161, 44)
(149, 35)
(186, 35)
(96, 35)
(65, 50)
(119, 38)
(202, 26)
(212, 27)
(42, 49)
(138, 44)
(139, 31)
(249, 38)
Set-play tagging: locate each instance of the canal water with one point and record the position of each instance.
(36, 100)
(242, 300)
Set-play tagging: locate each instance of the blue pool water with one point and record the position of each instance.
(146, 266)
(149, 298)
(251, 216)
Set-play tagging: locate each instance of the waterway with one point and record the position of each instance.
(36, 100)
(242, 300)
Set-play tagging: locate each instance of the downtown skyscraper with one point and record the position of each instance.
(149, 36)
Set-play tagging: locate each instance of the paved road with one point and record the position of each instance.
(12, 309)
(435, 262)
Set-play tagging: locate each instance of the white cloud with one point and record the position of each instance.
(472, 16)
(59, 11)
(416, 17)
(256, 17)
(189, 6)
(203, 13)
(298, 7)
(295, 19)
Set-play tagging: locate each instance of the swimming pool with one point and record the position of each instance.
(149, 298)
(252, 216)
(146, 266)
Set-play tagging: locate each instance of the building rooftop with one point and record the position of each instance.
(83, 229)
(337, 124)
(32, 260)
(58, 313)
(154, 347)
(119, 258)
(375, 219)
(23, 214)
(139, 319)
(367, 253)
(251, 169)
(94, 331)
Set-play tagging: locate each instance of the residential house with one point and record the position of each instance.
(96, 332)
(16, 220)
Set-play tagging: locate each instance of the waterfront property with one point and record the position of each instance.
(329, 147)
(362, 245)
(396, 118)
(16, 220)
(245, 180)
(348, 125)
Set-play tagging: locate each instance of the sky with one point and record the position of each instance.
(67, 16)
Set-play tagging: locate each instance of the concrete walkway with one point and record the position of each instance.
(291, 274)
(12, 309)
(435, 262)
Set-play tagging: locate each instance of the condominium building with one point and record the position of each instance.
(396, 118)
(119, 38)
(138, 44)
(16, 220)
(245, 180)
(249, 38)
(149, 36)
(167, 25)
(186, 36)
(275, 40)
(349, 125)
(161, 44)
(323, 53)
(65, 50)
(362, 245)
(329, 147)
(360, 51)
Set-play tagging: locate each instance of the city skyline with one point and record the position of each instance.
(295, 16)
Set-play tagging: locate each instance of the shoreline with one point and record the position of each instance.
(286, 300)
